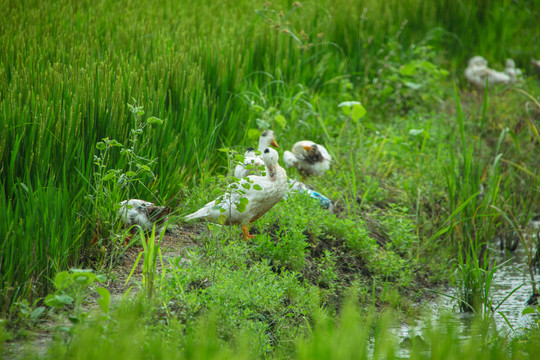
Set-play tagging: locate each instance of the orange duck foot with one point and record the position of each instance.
(245, 233)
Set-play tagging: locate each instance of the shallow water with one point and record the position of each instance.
(513, 275)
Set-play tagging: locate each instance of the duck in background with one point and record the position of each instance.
(511, 70)
(143, 213)
(309, 158)
(536, 64)
(477, 72)
(250, 159)
(266, 140)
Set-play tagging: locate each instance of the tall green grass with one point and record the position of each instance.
(68, 71)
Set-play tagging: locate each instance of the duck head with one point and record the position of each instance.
(250, 152)
(266, 140)
(313, 154)
(510, 64)
(478, 61)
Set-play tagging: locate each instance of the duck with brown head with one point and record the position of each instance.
(309, 158)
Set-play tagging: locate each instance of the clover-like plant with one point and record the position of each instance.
(236, 188)
(73, 288)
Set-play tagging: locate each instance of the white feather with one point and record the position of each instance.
(273, 188)
(139, 212)
(477, 72)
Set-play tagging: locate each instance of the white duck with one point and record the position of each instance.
(250, 158)
(271, 189)
(266, 140)
(511, 70)
(309, 158)
(536, 64)
(477, 72)
(143, 213)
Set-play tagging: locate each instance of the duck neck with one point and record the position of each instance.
(262, 146)
(271, 172)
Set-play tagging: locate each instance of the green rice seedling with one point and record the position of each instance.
(69, 69)
(478, 221)
(151, 253)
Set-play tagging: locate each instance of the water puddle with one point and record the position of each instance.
(510, 290)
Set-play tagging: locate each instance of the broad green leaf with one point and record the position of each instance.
(253, 134)
(58, 300)
(415, 132)
(244, 201)
(115, 143)
(358, 112)
(154, 120)
(280, 119)
(241, 207)
(104, 301)
(412, 85)
(62, 280)
(258, 109)
(24, 187)
(528, 310)
(426, 65)
(109, 175)
(222, 218)
(100, 145)
(36, 313)
(257, 187)
(84, 278)
(349, 104)
(131, 173)
(262, 124)
(408, 70)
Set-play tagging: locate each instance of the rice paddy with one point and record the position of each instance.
(105, 101)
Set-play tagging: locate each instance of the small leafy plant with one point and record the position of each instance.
(73, 288)
(112, 185)
(237, 188)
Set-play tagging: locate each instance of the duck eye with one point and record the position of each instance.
(266, 151)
